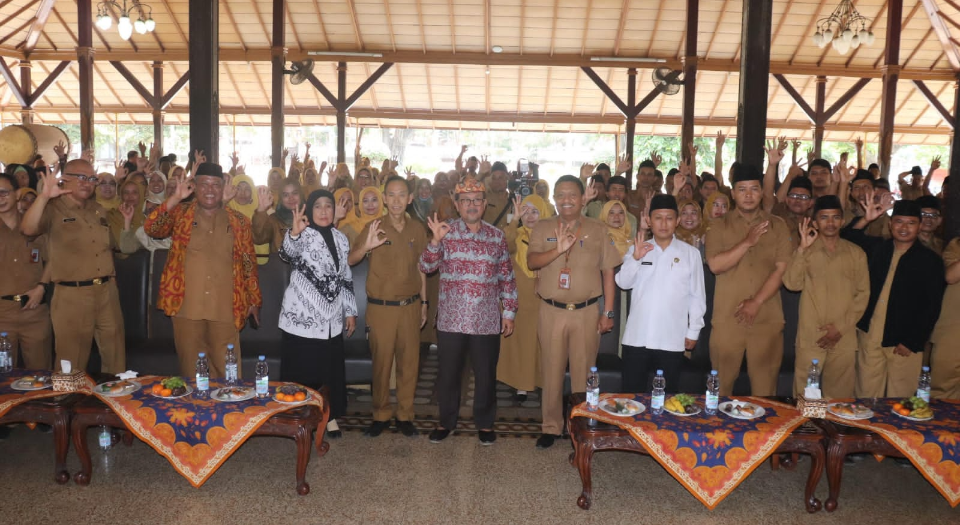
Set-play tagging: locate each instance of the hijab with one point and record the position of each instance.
(691, 237)
(551, 211)
(621, 237)
(270, 184)
(285, 215)
(325, 231)
(446, 208)
(108, 204)
(364, 218)
(163, 193)
(523, 233)
(115, 218)
(352, 219)
(310, 187)
(263, 250)
(423, 207)
(708, 205)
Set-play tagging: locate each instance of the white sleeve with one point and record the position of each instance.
(627, 277)
(698, 297)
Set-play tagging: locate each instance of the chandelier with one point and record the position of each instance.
(125, 27)
(845, 29)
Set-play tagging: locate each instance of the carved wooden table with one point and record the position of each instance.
(53, 411)
(590, 436)
(297, 423)
(843, 440)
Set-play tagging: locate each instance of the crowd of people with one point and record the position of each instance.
(512, 276)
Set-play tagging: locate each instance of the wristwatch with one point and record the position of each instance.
(610, 314)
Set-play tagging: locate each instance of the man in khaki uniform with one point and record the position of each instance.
(396, 305)
(576, 262)
(906, 291)
(748, 249)
(86, 304)
(498, 198)
(945, 357)
(23, 316)
(833, 277)
(930, 219)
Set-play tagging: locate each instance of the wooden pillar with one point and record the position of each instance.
(205, 78)
(278, 58)
(891, 72)
(952, 195)
(631, 121)
(85, 66)
(820, 121)
(689, 76)
(158, 100)
(754, 81)
(341, 112)
(26, 86)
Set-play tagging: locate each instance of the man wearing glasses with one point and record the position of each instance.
(930, 219)
(86, 304)
(796, 207)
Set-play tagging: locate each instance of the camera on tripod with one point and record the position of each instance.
(524, 179)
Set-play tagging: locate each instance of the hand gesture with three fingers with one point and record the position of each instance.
(127, 211)
(565, 237)
(229, 190)
(625, 164)
(438, 227)
(590, 192)
(808, 233)
(656, 158)
(265, 197)
(641, 248)
(199, 157)
(300, 221)
(51, 186)
(374, 240)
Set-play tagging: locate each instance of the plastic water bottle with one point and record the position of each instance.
(6, 354)
(813, 375)
(656, 400)
(263, 377)
(203, 376)
(593, 389)
(713, 393)
(105, 438)
(923, 388)
(230, 370)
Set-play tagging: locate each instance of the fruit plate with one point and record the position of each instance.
(632, 407)
(696, 411)
(290, 390)
(187, 393)
(734, 409)
(232, 394)
(860, 411)
(911, 418)
(127, 388)
(26, 384)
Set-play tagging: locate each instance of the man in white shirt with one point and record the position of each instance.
(667, 303)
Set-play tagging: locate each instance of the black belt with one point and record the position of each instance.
(405, 302)
(571, 306)
(91, 282)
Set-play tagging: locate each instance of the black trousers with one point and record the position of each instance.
(640, 365)
(484, 351)
(316, 363)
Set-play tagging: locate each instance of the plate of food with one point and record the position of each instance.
(914, 409)
(854, 411)
(232, 393)
(683, 405)
(741, 410)
(29, 383)
(171, 388)
(291, 394)
(117, 388)
(621, 406)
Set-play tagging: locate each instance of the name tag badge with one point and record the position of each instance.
(551, 239)
(70, 219)
(563, 281)
(387, 242)
(195, 224)
(646, 263)
(35, 255)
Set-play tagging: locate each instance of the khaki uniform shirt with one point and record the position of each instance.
(208, 270)
(593, 209)
(935, 243)
(747, 277)
(835, 289)
(21, 260)
(791, 220)
(268, 229)
(877, 228)
(879, 319)
(394, 272)
(950, 311)
(79, 244)
(590, 253)
(496, 202)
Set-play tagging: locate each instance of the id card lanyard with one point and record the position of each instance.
(563, 280)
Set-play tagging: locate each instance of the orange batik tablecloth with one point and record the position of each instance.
(709, 455)
(197, 435)
(10, 398)
(932, 446)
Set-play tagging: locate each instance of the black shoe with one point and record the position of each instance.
(546, 440)
(438, 435)
(520, 398)
(376, 428)
(406, 428)
(334, 434)
(487, 437)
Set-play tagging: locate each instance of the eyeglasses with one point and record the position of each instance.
(475, 202)
(799, 196)
(929, 215)
(83, 178)
(107, 183)
(5, 193)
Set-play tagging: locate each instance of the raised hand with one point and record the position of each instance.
(796, 146)
(935, 163)
(51, 187)
(374, 240)
(485, 164)
(143, 149)
(590, 192)
(198, 157)
(241, 170)
(721, 138)
(693, 150)
(565, 237)
(586, 170)
(61, 150)
(757, 231)
(656, 158)
(294, 158)
(234, 160)
(438, 227)
(87, 156)
(121, 172)
(229, 190)
(808, 233)
(463, 149)
(517, 199)
(184, 189)
(265, 196)
(127, 211)
(774, 152)
(641, 248)
(299, 220)
(811, 156)
(410, 174)
(625, 164)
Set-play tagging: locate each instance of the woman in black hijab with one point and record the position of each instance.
(319, 307)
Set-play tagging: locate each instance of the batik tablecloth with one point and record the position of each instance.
(10, 398)
(709, 455)
(932, 446)
(197, 435)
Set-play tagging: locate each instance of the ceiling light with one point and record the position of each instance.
(844, 29)
(629, 59)
(496, 49)
(344, 54)
(125, 22)
(487, 71)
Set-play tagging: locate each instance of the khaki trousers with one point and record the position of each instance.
(763, 347)
(838, 370)
(394, 338)
(882, 373)
(945, 370)
(30, 331)
(212, 337)
(565, 336)
(82, 315)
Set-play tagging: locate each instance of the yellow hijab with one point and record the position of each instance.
(551, 211)
(352, 219)
(309, 187)
(115, 218)
(364, 218)
(690, 236)
(270, 184)
(708, 205)
(523, 233)
(109, 204)
(621, 237)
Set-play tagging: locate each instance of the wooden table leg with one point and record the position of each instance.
(584, 458)
(303, 440)
(818, 457)
(79, 431)
(61, 443)
(836, 453)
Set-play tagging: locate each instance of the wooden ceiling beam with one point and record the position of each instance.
(875, 22)
(797, 98)
(51, 79)
(934, 103)
(137, 86)
(18, 12)
(11, 79)
(16, 31)
(943, 33)
(40, 20)
(236, 28)
(844, 99)
(322, 25)
(809, 31)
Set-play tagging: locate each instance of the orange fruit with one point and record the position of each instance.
(289, 398)
(897, 406)
(904, 411)
(157, 388)
(166, 392)
(300, 396)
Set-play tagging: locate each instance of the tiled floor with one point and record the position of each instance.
(396, 480)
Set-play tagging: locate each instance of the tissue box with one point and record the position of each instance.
(814, 408)
(68, 382)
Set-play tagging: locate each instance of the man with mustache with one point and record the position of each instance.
(209, 285)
